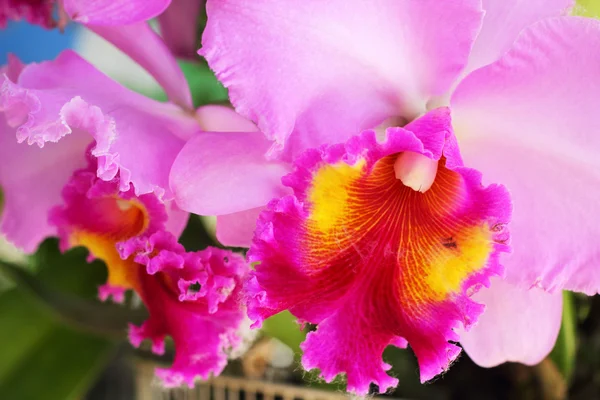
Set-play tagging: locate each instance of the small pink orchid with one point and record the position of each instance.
(204, 322)
(95, 172)
(359, 246)
(131, 235)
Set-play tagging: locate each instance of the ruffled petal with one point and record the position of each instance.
(236, 229)
(113, 12)
(179, 27)
(95, 214)
(518, 325)
(225, 172)
(358, 360)
(531, 121)
(31, 180)
(146, 48)
(353, 63)
(354, 246)
(203, 322)
(135, 136)
(503, 22)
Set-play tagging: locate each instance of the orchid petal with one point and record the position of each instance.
(113, 12)
(95, 214)
(216, 118)
(205, 323)
(518, 325)
(146, 48)
(236, 229)
(503, 22)
(354, 63)
(179, 27)
(531, 121)
(134, 136)
(225, 172)
(31, 180)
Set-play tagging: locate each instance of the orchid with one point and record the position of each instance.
(100, 155)
(404, 173)
(389, 114)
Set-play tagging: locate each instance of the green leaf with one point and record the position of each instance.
(42, 359)
(205, 87)
(588, 8)
(23, 327)
(68, 272)
(56, 336)
(283, 327)
(87, 315)
(564, 352)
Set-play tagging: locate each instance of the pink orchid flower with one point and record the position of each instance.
(95, 172)
(520, 80)
(129, 233)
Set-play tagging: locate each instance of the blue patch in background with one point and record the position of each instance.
(32, 43)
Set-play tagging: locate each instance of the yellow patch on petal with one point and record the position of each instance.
(361, 221)
(329, 193)
(449, 269)
(122, 220)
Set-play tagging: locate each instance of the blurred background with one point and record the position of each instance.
(57, 342)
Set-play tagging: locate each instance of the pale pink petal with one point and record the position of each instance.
(236, 229)
(113, 12)
(328, 69)
(31, 180)
(518, 325)
(179, 27)
(225, 172)
(503, 22)
(136, 137)
(146, 48)
(531, 121)
(178, 219)
(216, 118)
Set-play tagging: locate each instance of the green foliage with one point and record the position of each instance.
(564, 353)
(42, 358)
(56, 337)
(283, 327)
(204, 86)
(588, 8)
